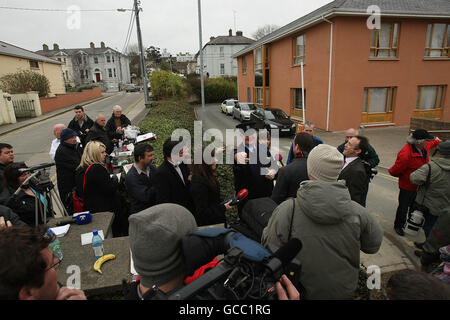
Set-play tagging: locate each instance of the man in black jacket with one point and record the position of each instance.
(354, 172)
(67, 159)
(139, 179)
(172, 178)
(6, 157)
(98, 132)
(116, 124)
(290, 177)
(81, 124)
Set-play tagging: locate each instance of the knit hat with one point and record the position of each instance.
(422, 134)
(67, 133)
(325, 163)
(155, 242)
(444, 147)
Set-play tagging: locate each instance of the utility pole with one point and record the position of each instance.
(202, 80)
(141, 52)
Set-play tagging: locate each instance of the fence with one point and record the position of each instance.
(435, 127)
(26, 105)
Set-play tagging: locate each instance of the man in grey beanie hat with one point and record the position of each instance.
(155, 243)
(332, 228)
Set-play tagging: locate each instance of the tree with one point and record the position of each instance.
(24, 81)
(264, 30)
(153, 54)
(135, 62)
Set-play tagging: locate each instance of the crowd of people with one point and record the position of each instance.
(319, 196)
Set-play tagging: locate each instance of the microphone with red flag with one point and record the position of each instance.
(237, 198)
(279, 157)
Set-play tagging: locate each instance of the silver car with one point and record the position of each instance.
(242, 110)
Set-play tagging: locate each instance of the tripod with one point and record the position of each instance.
(43, 187)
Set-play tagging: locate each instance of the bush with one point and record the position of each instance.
(219, 89)
(165, 85)
(24, 81)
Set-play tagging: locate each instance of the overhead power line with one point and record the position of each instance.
(129, 33)
(56, 10)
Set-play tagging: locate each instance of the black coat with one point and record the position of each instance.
(67, 159)
(140, 189)
(206, 197)
(356, 180)
(98, 133)
(24, 206)
(10, 216)
(111, 126)
(81, 131)
(248, 176)
(170, 188)
(371, 156)
(99, 191)
(289, 179)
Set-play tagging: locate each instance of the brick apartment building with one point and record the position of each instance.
(354, 75)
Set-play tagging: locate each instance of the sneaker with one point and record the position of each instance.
(399, 231)
(419, 245)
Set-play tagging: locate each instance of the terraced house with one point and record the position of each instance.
(354, 62)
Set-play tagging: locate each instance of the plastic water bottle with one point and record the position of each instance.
(97, 245)
(116, 150)
(55, 246)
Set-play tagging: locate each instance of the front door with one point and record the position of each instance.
(97, 77)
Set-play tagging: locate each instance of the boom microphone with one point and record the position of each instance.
(237, 198)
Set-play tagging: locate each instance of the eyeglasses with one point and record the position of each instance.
(54, 265)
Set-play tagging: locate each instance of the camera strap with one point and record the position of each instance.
(292, 219)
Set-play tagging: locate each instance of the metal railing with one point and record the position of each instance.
(24, 108)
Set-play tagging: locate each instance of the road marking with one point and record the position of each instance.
(387, 177)
(133, 105)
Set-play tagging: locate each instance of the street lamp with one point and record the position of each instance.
(136, 10)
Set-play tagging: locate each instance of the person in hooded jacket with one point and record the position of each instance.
(332, 228)
(67, 159)
(205, 192)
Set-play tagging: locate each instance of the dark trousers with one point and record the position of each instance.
(429, 223)
(405, 201)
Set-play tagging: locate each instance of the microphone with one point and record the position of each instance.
(237, 198)
(83, 218)
(38, 167)
(279, 157)
(283, 256)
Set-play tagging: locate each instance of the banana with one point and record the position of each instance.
(100, 261)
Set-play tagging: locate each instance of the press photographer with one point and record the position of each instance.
(163, 269)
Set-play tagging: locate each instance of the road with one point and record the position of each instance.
(383, 190)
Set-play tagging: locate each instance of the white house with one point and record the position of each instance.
(218, 52)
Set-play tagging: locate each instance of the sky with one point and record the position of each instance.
(167, 24)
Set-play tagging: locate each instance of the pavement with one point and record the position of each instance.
(396, 253)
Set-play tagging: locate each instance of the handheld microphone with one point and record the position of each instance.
(83, 218)
(237, 198)
(279, 157)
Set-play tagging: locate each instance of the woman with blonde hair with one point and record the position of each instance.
(94, 184)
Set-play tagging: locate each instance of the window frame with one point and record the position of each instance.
(34, 64)
(296, 58)
(376, 49)
(244, 65)
(440, 95)
(429, 42)
(389, 103)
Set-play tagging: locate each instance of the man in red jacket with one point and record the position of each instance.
(411, 157)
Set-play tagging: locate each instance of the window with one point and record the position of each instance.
(249, 94)
(258, 67)
(438, 40)
(86, 73)
(115, 73)
(379, 100)
(259, 95)
(222, 68)
(298, 102)
(298, 50)
(34, 64)
(108, 58)
(110, 73)
(112, 58)
(96, 60)
(84, 59)
(384, 43)
(267, 69)
(430, 97)
(59, 59)
(64, 60)
(67, 75)
(221, 50)
(244, 65)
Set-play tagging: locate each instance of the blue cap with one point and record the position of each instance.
(95, 232)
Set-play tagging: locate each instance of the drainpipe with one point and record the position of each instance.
(329, 76)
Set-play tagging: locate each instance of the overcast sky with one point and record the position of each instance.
(170, 24)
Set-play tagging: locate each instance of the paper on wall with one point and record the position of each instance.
(86, 238)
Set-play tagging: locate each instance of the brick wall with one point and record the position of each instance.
(65, 100)
(440, 128)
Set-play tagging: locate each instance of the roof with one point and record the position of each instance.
(14, 51)
(230, 40)
(71, 52)
(397, 8)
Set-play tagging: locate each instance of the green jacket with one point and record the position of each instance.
(437, 196)
(333, 229)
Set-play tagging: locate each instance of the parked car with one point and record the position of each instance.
(227, 106)
(242, 110)
(131, 87)
(272, 118)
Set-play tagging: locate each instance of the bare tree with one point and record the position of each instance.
(264, 30)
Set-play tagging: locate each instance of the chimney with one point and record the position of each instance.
(102, 45)
(239, 33)
(211, 38)
(55, 47)
(92, 45)
(45, 47)
(230, 33)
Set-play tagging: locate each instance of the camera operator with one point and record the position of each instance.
(24, 203)
(156, 237)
